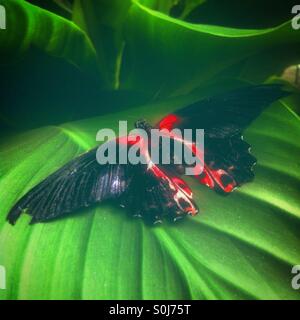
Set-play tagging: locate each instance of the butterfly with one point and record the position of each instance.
(152, 191)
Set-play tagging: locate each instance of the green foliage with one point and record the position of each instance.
(239, 247)
(29, 26)
(131, 46)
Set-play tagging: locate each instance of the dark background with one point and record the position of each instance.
(39, 90)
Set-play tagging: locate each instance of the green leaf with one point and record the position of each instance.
(242, 246)
(64, 4)
(188, 7)
(103, 21)
(160, 5)
(30, 26)
(169, 56)
(134, 47)
(182, 7)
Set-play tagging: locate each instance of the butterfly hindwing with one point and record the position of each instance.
(228, 161)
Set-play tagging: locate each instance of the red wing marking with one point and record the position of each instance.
(169, 122)
(213, 178)
(182, 193)
(209, 177)
(128, 140)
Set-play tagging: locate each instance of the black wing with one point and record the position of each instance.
(228, 162)
(145, 190)
(80, 183)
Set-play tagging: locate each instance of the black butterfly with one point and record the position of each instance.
(154, 191)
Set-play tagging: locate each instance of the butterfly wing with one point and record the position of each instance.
(144, 190)
(156, 193)
(228, 162)
(80, 183)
